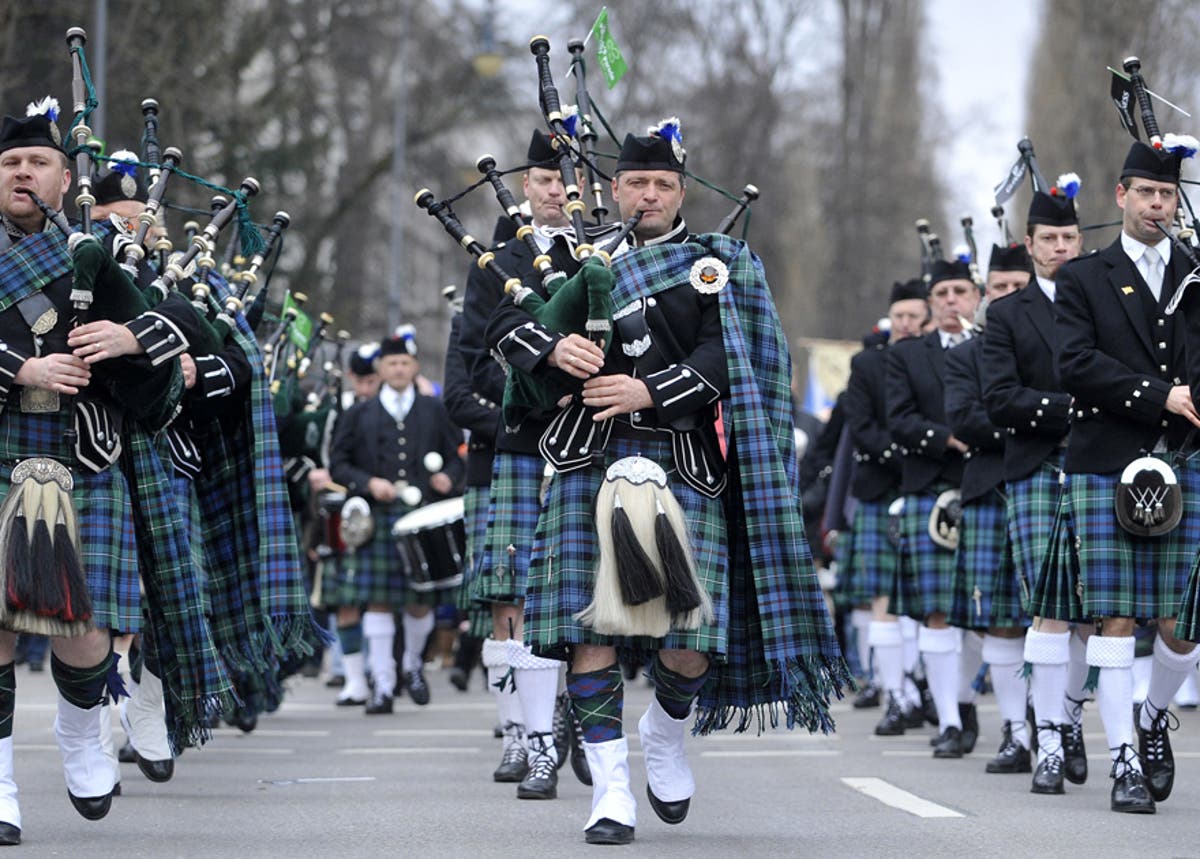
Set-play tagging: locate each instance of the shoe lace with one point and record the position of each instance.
(1123, 762)
(1007, 744)
(562, 709)
(1053, 763)
(416, 680)
(1050, 731)
(1156, 735)
(1072, 738)
(514, 749)
(541, 762)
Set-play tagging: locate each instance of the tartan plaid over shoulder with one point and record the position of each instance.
(35, 262)
(781, 648)
(244, 472)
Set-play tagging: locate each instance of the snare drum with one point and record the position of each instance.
(433, 542)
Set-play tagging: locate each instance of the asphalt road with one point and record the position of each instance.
(318, 781)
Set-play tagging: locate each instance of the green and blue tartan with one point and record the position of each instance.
(512, 521)
(107, 546)
(1032, 505)
(562, 571)
(1124, 575)
(1058, 586)
(925, 584)
(476, 500)
(374, 572)
(869, 568)
(986, 592)
(781, 647)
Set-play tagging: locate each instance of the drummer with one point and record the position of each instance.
(397, 451)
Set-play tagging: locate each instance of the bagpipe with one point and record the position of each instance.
(582, 302)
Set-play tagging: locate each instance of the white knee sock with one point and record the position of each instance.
(379, 629)
(495, 659)
(1077, 672)
(1143, 666)
(536, 679)
(940, 650)
(912, 656)
(1114, 693)
(860, 618)
(1048, 653)
(970, 660)
(1169, 672)
(1006, 656)
(888, 647)
(416, 634)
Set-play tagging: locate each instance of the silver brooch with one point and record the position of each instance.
(709, 275)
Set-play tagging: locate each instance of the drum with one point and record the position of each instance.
(433, 542)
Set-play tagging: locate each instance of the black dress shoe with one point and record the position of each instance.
(1130, 794)
(949, 744)
(1048, 778)
(1012, 757)
(562, 728)
(970, 727)
(513, 766)
(10, 835)
(337, 681)
(91, 807)
(608, 831)
(126, 754)
(350, 702)
(1075, 766)
(157, 771)
(914, 717)
(867, 697)
(541, 782)
(116, 791)
(669, 812)
(459, 679)
(244, 723)
(928, 708)
(379, 705)
(1154, 748)
(417, 688)
(893, 723)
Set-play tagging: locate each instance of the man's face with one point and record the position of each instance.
(127, 209)
(41, 170)
(907, 316)
(657, 194)
(1050, 247)
(1002, 283)
(951, 299)
(1146, 202)
(365, 387)
(398, 371)
(546, 195)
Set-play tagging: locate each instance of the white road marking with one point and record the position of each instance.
(778, 753)
(907, 753)
(410, 750)
(270, 732)
(316, 780)
(890, 795)
(428, 732)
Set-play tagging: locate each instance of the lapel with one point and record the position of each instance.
(1040, 311)
(1124, 281)
(937, 361)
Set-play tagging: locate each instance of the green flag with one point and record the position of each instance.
(612, 64)
(300, 331)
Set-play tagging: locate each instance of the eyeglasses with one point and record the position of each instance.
(1148, 192)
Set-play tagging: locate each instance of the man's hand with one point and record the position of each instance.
(319, 479)
(381, 490)
(102, 339)
(958, 444)
(616, 395)
(577, 356)
(441, 483)
(1179, 401)
(58, 372)
(189, 370)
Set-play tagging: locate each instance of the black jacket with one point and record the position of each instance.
(1118, 355)
(876, 456)
(365, 432)
(1021, 387)
(469, 410)
(983, 469)
(916, 371)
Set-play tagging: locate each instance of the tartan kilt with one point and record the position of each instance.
(565, 554)
(512, 521)
(108, 547)
(925, 583)
(1124, 575)
(983, 566)
(871, 558)
(1032, 508)
(1058, 586)
(374, 572)
(475, 510)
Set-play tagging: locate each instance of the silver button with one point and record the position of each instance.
(686, 373)
(651, 302)
(1162, 344)
(929, 433)
(158, 325)
(1045, 401)
(1039, 413)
